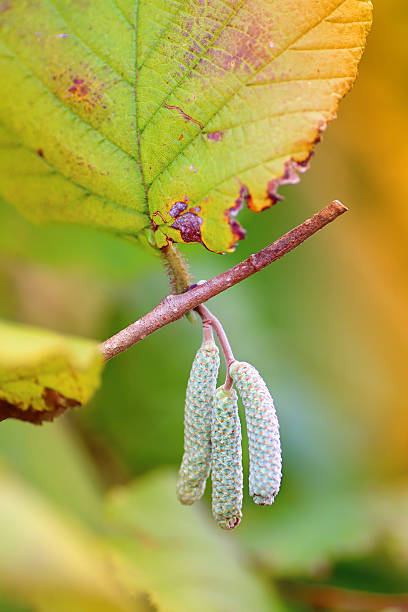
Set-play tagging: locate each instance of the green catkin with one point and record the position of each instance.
(226, 462)
(265, 458)
(200, 398)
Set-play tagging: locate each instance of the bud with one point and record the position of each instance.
(265, 458)
(200, 398)
(226, 464)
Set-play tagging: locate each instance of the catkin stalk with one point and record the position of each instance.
(226, 464)
(265, 458)
(200, 397)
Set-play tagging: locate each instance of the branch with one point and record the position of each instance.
(328, 597)
(174, 307)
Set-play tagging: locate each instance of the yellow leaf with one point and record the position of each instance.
(43, 373)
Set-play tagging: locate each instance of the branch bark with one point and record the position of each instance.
(174, 307)
(328, 597)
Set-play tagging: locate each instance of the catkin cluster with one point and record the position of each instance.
(226, 474)
(199, 406)
(212, 438)
(265, 457)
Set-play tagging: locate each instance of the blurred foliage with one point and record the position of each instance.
(325, 325)
(138, 550)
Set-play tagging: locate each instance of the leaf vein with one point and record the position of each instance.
(199, 58)
(86, 43)
(225, 102)
(289, 154)
(55, 170)
(60, 103)
(275, 116)
(297, 80)
(162, 34)
(122, 13)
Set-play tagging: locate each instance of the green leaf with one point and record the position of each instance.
(178, 555)
(43, 373)
(167, 116)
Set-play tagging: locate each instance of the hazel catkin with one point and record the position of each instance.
(200, 397)
(265, 459)
(226, 462)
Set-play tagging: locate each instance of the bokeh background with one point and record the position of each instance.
(326, 326)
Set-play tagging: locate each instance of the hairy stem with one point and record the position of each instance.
(176, 268)
(174, 307)
(209, 319)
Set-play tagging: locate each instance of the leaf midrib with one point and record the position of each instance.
(137, 129)
(196, 62)
(55, 170)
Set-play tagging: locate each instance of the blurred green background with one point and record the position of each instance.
(88, 516)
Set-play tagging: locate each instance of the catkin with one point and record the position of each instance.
(265, 459)
(200, 397)
(226, 463)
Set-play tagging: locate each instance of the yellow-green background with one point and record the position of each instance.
(326, 326)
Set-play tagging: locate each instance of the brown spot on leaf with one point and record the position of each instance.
(85, 90)
(290, 177)
(40, 152)
(243, 198)
(184, 115)
(54, 400)
(215, 136)
(81, 91)
(56, 403)
(237, 230)
(189, 226)
(5, 6)
(177, 209)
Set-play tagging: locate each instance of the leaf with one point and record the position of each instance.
(43, 373)
(163, 117)
(179, 557)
